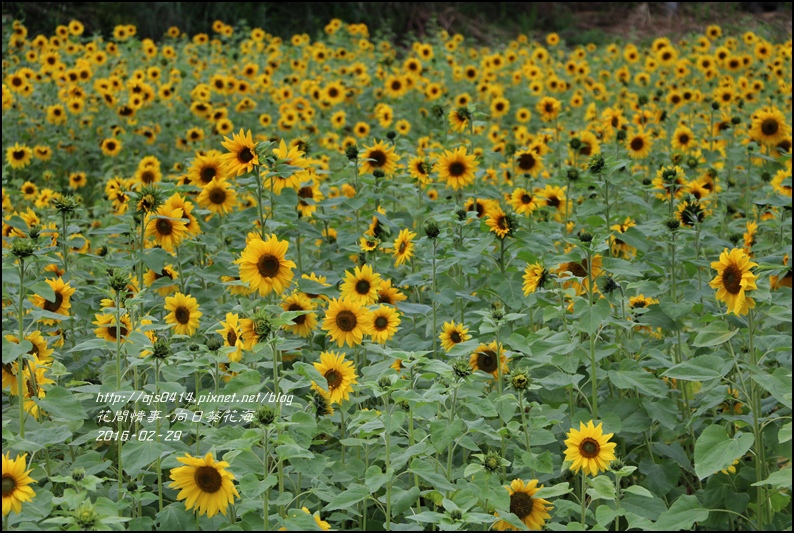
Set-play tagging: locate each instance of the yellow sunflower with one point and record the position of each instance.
(218, 196)
(404, 247)
(168, 272)
(733, 280)
(263, 265)
(769, 126)
(528, 162)
(638, 143)
(60, 305)
(456, 168)
(18, 156)
(302, 325)
(205, 168)
(776, 282)
(346, 321)
(290, 156)
(382, 158)
(167, 227)
(453, 334)
(500, 222)
(532, 511)
(184, 313)
(109, 329)
(589, 449)
(338, 373)
(385, 322)
(549, 108)
(15, 483)
(204, 484)
(535, 276)
(524, 202)
(232, 336)
(242, 153)
(487, 358)
(580, 269)
(388, 294)
(361, 285)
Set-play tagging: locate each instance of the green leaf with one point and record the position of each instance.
(374, 478)
(554, 491)
(784, 435)
(633, 377)
(778, 384)
(605, 515)
(290, 451)
(176, 518)
(43, 289)
(714, 334)
(715, 450)
(12, 350)
(60, 404)
(442, 433)
(426, 471)
(594, 315)
(348, 498)
(402, 500)
(779, 480)
(639, 491)
(656, 317)
(473, 469)
(700, 368)
(137, 455)
(601, 487)
(684, 512)
(155, 259)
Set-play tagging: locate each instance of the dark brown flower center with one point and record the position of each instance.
(770, 126)
(53, 307)
(362, 287)
(526, 162)
(231, 337)
(19, 154)
(9, 485)
(577, 269)
(245, 155)
(164, 227)
(401, 249)
(333, 378)
(455, 337)
(589, 448)
(182, 315)
(381, 323)
(521, 504)
(637, 144)
(683, 139)
(732, 279)
(298, 320)
(115, 331)
(306, 192)
(379, 157)
(147, 176)
(217, 195)
(346, 320)
(526, 199)
(207, 173)
(486, 361)
(553, 201)
(457, 169)
(268, 265)
(208, 479)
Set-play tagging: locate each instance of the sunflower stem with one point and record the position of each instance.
(65, 243)
(592, 335)
(118, 382)
(584, 507)
(524, 424)
(265, 459)
(21, 356)
(760, 451)
(387, 436)
(179, 267)
(435, 303)
(259, 202)
(159, 459)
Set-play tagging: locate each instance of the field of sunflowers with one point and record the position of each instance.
(336, 283)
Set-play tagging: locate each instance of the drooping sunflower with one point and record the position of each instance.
(109, 330)
(382, 158)
(638, 143)
(167, 272)
(456, 168)
(302, 325)
(184, 313)
(487, 358)
(308, 197)
(167, 227)
(692, 211)
(384, 323)
(459, 118)
(555, 197)
(263, 265)
(581, 269)
(60, 305)
(404, 247)
(218, 196)
(535, 276)
(361, 285)
(242, 153)
(589, 449)
(232, 336)
(619, 247)
(15, 483)
(453, 334)
(532, 511)
(671, 181)
(204, 484)
(733, 280)
(769, 126)
(346, 321)
(338, 373)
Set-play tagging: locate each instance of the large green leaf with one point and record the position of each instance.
(715, 450)
(683, 514)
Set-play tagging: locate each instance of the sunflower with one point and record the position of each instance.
(453, 334)
(549, 108)
(404, 247)
(15, 483)
(167, 272)
(580, 269)
(242, 153)
(60, 305)
(18, 156)
(485, 358)
(419, 169)
(692, 211)
(768, 127)
(555, 197)
(528, 162)
(524, 202)
(388, 294)
(308, 197)
(111, 147)
(205, 168)
(456, 168)
(289, 156)
(459, 118)
(781, 281)
(683, 139)
(382, 158)
(29, 191)
(167, 227)
(638, 143)
(361, 285)
(176, 201)
(589, 449)
(346, 321)
(264, 267)
(322, 524)
(535, 276)
(733, 280)
(205, 484)
(619, 247)
(533, 512)
(109, 329)
(500, 222)
(338, 373)
(384, 323)
(184, 313)
(671, 181)
(230, 331)
(302, 325)
(218, 196)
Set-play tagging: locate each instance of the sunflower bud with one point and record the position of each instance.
(322, 406)
(34, 233)
(461, 368)
(132, 486)
(572, 174)
(85, 516)
(492, 461)
(78, 474)
(609, 285)
(391, 135)
(103, 251)
(65, 204)
(437, 111)
(510, 149)
(265, 415)
(214, 344)
(161, 349)
(456, 514)
(461, 214)
(692, 162)
(378, 173)
(117, 279)
(585, 236)
(351, 153)
(672, 224)
(384, 383)
(642, 100)
(596, 164)
(647, 181)
(23, 248)
(431, 229)
(621, 135)
(519, 380)
(715, 106)
(575, 143)
(404, 405)
(766, 177)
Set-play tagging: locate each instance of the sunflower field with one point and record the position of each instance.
(253, 283)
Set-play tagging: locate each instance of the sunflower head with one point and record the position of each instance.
(524, 503)
(589, 449)
(204, 483)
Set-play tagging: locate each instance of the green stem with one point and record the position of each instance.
(65, 244)
(593, 367)
(159, 466)
(760, 451)
(266, 460)
(387, 434)
(584, 507)
(118, 381)
(435, 303)
(21, 356)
